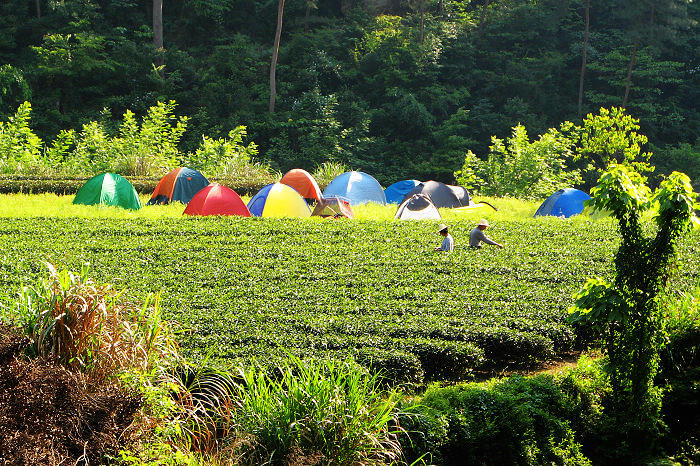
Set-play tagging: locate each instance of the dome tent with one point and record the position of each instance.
(108, 189)
(417, 207)
(278, 200)
(565, 202)
(216, 200)
(439, 193)
(357, 187)
(396, 192)
(461, 194)
(303, 182)
(180, 184)
(334, 206)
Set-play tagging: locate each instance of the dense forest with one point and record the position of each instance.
(400, 89)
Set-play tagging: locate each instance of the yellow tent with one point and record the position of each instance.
(278, 200)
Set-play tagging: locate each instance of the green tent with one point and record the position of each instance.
(108, 189)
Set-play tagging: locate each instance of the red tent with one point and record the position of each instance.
(303, 182)
(217, 200)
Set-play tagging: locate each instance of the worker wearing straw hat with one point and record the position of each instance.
(477, 235)
(448, 243)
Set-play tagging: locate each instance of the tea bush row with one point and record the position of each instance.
(260, 289)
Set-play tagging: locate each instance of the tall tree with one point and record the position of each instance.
(482, 20)
(652, 22)
(158, 30)
(420, 5)
(275, 52)
(583, 56)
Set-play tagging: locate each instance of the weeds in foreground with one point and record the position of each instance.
(317, 411)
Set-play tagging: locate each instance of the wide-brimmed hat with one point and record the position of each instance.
(483, 223)
(442, 227)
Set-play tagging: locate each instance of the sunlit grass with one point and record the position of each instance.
(508, 209)
(52, 205)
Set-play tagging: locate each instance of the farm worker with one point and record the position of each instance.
(448, 243)
(477, 235)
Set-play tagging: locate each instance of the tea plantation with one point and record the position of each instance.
(259, 288)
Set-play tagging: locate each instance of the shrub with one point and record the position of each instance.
(223, 157)
(20, 148)
(627, 310)
(515, 421)
(520, 168)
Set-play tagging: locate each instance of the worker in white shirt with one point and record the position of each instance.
(448, 243)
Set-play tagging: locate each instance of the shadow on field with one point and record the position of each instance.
(49, 415)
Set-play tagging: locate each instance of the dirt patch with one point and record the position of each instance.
(49, 415)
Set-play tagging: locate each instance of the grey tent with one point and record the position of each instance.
(417, 207)
(439, 193)
(461, 194)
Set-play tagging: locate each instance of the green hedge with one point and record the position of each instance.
(11, 184)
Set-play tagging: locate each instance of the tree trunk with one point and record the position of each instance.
(483, 17)
(275, 51)
(158, 30)
(422, 20)
(583, 58)
(629, 73)
(306, 17)
(38, 9)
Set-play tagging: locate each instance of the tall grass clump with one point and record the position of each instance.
(321, 411)
(94, 328)
(325, 172)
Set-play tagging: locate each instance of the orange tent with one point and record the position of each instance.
(303, 182)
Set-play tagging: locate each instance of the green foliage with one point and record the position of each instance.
(611, 137)
(353, 85)
(13, 88)
(627, 309)
(20, 148)
(467, 176)
(151, 147)
(683, 157)
(223, 157)
(327, 171)
(514, 421)
(139, 149)
(332, 410)
(524, 169)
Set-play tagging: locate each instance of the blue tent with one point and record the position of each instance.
(566, 202)
(357, 187)
(397, 191)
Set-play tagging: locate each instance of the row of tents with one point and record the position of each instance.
(296, 191)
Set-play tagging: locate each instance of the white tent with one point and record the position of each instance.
(417, 207)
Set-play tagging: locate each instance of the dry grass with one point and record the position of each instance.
(94, 328)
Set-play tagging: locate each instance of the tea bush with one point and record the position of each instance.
(261, 288)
